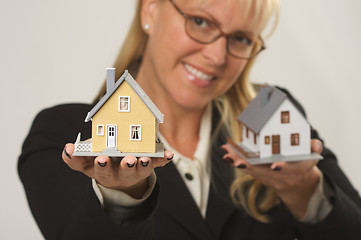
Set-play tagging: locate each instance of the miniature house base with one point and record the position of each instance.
(84, 148)
(243, 151)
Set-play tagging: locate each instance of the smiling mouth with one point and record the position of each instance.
(197, 73)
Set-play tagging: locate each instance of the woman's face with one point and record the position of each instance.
(188, 73)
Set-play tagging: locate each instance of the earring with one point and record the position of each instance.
(146, 27)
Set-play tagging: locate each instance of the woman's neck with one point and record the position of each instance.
(181, 125)
(181, 130)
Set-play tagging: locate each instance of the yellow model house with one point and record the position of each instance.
(124, 122)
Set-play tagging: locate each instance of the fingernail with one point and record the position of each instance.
(130, 165)
(102, 164)
(144, 164)
(170, 158)
(277, 168)
(242, 166)
(66, 153)
(228, 159)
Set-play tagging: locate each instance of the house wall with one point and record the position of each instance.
(249, 142)
(139, 114)
(297, 124)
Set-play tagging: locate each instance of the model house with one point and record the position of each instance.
(124, 122)
(273, 129)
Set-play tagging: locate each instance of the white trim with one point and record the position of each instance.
(140, 133)
(127, 110)
(115, 135)
(102, 133)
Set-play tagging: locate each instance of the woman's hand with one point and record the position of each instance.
(294, 182)
(128, 175)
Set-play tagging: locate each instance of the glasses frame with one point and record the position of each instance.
(258, 40)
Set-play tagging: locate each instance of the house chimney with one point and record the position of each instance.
(265, 94)
(110, 79)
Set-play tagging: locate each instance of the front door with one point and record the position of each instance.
(275, 144)
(111, 136)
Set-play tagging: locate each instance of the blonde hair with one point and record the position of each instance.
(246, 192)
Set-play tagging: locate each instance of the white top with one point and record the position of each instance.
(117, 201)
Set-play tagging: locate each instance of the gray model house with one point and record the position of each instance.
(273, 129)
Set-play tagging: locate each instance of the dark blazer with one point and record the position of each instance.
(65, 206)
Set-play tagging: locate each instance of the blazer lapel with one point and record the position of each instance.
(220, 206)
(176, 201)
(218, 212)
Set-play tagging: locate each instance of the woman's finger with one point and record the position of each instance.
(127, 167)
(161, 162)
(232, 157)
(82, 164)
(144, 167)
(316, 146)
(103, 170)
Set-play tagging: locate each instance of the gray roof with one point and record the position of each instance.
(135, 86)
(262, 107)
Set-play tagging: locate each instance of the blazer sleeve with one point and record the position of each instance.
(62, 200)
(344, 221)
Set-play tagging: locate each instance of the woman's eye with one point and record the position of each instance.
(243, 40)
(201, 22)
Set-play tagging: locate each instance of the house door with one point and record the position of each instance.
(111, 136)
(275, 144)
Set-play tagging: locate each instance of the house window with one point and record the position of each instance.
(111, 131)
(295, 139)
(285, 117)
(266, 140)
(124, 103)
(135, 132)
(247, 132)
(255, 138)
(100, 130)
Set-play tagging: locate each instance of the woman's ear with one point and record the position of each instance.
(148, 15)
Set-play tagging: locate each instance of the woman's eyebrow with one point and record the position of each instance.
(196, 12)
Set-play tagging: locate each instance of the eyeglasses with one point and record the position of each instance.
(240, 44)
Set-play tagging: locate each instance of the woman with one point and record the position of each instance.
(192, 57)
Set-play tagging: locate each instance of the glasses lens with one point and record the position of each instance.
(201, 29)
(243, 45)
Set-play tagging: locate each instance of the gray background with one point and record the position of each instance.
(55, 52)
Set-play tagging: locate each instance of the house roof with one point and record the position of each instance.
(135, 86)
(262, 107)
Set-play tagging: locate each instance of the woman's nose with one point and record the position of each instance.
(216, 51)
